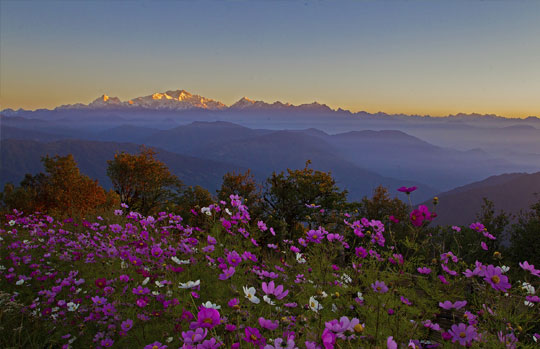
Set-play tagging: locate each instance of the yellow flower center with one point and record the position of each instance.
(207, 320)
(253, 337)
(495, 279)
(462, 335)
(315, 236)
(358, 328)
(378, 288)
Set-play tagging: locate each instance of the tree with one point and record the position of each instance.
(291, 197)
(525, 237)
(381, 206)
(143, 182)
(62, 191)
(244, 185)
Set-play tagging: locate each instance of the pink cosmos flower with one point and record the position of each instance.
(126, 325)
(407, 190)
(252, 335)
(234, 258)
(379, 287)
(268, 324)
(449, 305)
(227, 273)
(208, 318)
(405, 300)
(494, 276)
(424, 270)
(271, 289)
(328, 339)
(484, 246)
(391, 343)
(462, 333)
(193, 337)
(156, 345)
(530, 268)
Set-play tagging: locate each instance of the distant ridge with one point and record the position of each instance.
(181, 100)
(510, 192)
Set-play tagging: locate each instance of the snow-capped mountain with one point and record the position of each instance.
(183, 100)
(170, 100)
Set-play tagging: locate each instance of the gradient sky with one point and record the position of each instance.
(422, 57)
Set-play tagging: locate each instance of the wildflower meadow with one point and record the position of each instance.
(131, 281)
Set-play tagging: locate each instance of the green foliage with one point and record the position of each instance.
(143, 182)
(288, 197)
(245, 186)
(525, 236)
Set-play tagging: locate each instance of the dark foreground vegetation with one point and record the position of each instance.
(290, 263)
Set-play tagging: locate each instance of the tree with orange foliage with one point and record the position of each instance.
(62, 191)
(143, 182)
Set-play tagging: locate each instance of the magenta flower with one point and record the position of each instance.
(107, 342)
(208, 318)
(233, 303)
(494, 276)
(462, 333)
(314, 236)
(379, 287)
(328, 338)
(268, 324)
(156, 251)
(391, 343)
(156, 345)
(126, 325)
(271, 289)
(140, 290)
(407, 190)
(252, 335)
(530, 268)
(234, 258)
(227, 273)
(99, 300)
(484, 246)
(449, 305)
(405, 300)
(193, 337)
(424, 270)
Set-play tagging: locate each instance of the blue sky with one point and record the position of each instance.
(422, 57)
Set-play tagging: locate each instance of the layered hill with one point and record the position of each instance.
(509, 192)
(19, 157)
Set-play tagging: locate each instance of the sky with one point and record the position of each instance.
(417, 57)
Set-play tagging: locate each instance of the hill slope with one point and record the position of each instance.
(509, 192)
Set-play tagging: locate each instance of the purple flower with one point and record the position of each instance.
(252, 335)
(208, 318)
(328, 339)
(405, 300)
(99, 300)
(494, 276)
(271, 289)
(193, 337)
(407, 190)
(424, 270)
(126, 325)
(391, 343)
(234, 258)
(484, 246)
(379, 287)
(449, 305)
(268, 324)
(156, 251)
(107, 342)
(155, 345)
(530, 268)
(227, 273)
(462, 333)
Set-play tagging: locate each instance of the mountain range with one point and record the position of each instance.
(201, 139)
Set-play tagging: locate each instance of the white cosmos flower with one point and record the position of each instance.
(268, 300)
(159, 284)
(505, 268)
(360, 296)
(314, 304)
(170, 339)
(250, 294)
(300, 258)
(211, 305)
(346, 278)
(528, 287)
(180, 261)
(190, 284)
(228, 212)
(72, 306)
(145, 281)
(19, 282)
(12, 222)
(206, 211)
